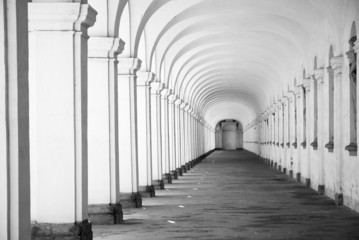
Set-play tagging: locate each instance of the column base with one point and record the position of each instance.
(285, 170)
(174, 174)
(131, 200)
(298, 177)
(167, 178)
(147, 191)
(70, 231)
(105, 214)
(184, 168)
(179, 172)
(271, 163)
(338, 199)
(158, 184)
(291, 173)
(307, 182)
(321, 189)
(188, 166)
(280, 168)
(275, 165)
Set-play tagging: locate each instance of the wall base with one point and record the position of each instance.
(299, 177)
(179, 172)
(105, 214)
(158, 184)
(148, 192)
(321, 189)
(167, 178)
(77, 231)
(307, 182)
(338, 199)
(174, 174)
(131, 200)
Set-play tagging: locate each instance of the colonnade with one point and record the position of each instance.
(86, 131)
(310, 131)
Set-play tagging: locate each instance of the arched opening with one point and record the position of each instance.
(229, 135)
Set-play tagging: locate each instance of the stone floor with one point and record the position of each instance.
(233, 195)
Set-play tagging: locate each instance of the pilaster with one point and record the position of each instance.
(144, 79)
(127, 127)
(103, 166)
(156, 135)
(58, 116)
(14, 122)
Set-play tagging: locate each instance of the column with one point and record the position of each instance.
(183, 135)
(172, 135)
(103, 168)
(337, 65)
(14, 122)
(156, 135)
(178, 136)
(144, 79)
(166, 175)
(127, 132)
(307, 116)
(58, 116)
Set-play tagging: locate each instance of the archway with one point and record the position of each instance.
(229, 135)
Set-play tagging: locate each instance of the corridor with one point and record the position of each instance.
(234, 195)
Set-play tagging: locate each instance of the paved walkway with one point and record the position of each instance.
(233, 195)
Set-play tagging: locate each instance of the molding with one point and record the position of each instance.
(60, 16)
(145, 78)
(128, 66)
(105, 47)
(337, 64)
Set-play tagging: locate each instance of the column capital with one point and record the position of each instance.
(337, 64)
(165, 92)
(105, 47)
(178, 102)
(128, 66)
(356, 46)
(306, 84)
(187, 108)
(298, 90)
(60, 16)
(319, 75)
(183, 105)
(156, 87)
(172, 98)
(145, 78)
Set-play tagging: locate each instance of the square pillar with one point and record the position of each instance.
(127, 132)
(165, 135)
(144, 79)
(156, 134)
(58, 118)
(104, 206)
(14, 122)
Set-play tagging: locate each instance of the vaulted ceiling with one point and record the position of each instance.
(228, 59)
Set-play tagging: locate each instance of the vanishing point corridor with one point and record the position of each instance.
(234, 195)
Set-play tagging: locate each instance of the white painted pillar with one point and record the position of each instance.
(14, 122)
(58, 111)
(156, 135)
(178, 134)
(183, 133)
(337, 65)
(165, 132)
(144, 79)
(306, 167)
(102, 127)
(127, 126)
(172, 133)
